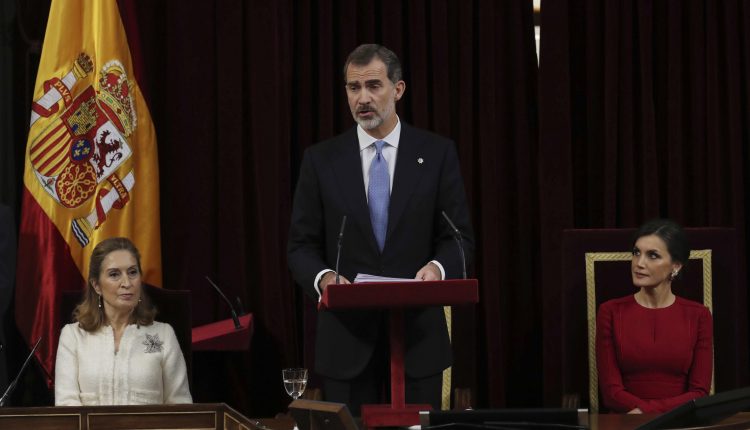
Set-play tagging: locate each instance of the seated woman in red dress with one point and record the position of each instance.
(654, 350)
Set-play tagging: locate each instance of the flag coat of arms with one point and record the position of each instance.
(91, 169)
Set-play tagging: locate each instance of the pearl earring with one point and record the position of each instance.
(100, 301)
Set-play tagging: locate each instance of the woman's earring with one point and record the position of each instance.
(674, 275)
(100, 301)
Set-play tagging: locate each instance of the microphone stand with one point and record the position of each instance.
(459, 241)
(236, 320)
(12, 386)
(338, 246)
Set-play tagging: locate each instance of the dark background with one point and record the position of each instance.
(636, 109)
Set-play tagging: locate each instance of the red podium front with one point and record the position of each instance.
(397, 296)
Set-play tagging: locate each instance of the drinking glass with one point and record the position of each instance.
(295, 380)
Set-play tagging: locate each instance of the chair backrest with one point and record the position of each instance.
(596, 268)
(173, 307)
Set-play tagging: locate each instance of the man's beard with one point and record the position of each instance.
(377, 119)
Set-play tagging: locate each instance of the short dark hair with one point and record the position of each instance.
(364, 54)
(671, 233)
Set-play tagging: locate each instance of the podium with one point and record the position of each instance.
(205, 416)
(396, 297)
(223, 336)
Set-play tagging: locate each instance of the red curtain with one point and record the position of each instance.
(239, 89)
(643, 113)
(637, 109)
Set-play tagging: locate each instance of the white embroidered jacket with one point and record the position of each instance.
(149, 367)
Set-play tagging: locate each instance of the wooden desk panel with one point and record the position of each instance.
(22, 420)
(211, 416)
(220, 416)
(152, 420)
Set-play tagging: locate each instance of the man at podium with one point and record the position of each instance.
(392, 182)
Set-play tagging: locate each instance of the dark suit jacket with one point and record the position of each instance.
(331, 186)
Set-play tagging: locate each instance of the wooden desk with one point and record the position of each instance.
(218, 416)
(199, 416)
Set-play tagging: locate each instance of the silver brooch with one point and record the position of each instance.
(420, 160)
(153, 344)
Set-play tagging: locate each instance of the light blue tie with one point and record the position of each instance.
(379, 194)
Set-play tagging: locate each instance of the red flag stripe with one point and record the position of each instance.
(52, 146)
(60, 156)
(44, 139)
(45, 268)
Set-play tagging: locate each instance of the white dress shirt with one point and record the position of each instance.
(367, 153)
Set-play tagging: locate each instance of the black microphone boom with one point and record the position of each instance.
(240, 307)
(338, 250)
(236, 320)
(12, 386)
(459, 241)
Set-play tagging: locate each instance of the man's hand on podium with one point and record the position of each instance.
(429, 272)
(330, 278)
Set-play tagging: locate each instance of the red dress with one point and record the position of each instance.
(653, 359)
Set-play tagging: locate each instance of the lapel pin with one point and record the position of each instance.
(420, 160)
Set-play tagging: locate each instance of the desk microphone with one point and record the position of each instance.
(240, 307)
(12, 386)
(338, 250)
(459, 241)
(236, 320)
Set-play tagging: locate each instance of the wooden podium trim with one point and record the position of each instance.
(319, 415)
(77, 416)
(92, 418)
(229, 420)
(705, 255)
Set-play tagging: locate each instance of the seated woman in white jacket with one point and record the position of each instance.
(116, 354)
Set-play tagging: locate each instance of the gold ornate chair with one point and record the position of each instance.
(596, 268)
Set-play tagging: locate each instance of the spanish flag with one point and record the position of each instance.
(91, 168)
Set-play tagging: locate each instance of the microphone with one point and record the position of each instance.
(236, 320)
(12, 386)
(240, 307)
(338, 250)
(459, 241)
